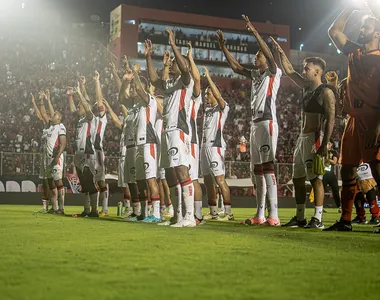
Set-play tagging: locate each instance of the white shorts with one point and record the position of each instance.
(100, 168)
(174, 149)
(212, 161)
(263, 142)
(120, 181)
(306, 148)
(129, 165)
(194, 162)
(54, 172)
(146, 161)
(82, 160)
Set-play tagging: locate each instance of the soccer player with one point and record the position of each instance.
(100, 169)
(146, 154)
(330, 179)
(360, 141)
(45, 120)
(266, 79)
(84, 159)
(318, 118)
(213, 148)
(196, 101)
(366, 192)
(174, 149)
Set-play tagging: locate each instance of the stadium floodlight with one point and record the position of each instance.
(301, 47)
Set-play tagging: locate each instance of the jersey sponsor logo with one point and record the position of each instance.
(363, 168)
(146, 166)
(173, 151)
(214, 164)
(264, 149)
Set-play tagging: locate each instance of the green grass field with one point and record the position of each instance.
(55, 257)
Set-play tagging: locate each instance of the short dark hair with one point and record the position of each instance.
(373, 20)
(316, 61)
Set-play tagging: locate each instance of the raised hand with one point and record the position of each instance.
(137, 68)
(33, 100)
(42, 95)
(78, 88)
(126, 61)
(70, 91)
(171, 36)
(167, 58)
(207, 74)
(112, 66)
(148, 48)
(82, 80)
(97, 76)
(190, 52)
(332, 78)
(276, 47)
(221, 38)
(249, 25)
(128, 76)
(105, 102)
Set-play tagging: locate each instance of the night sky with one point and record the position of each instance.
(312, 16)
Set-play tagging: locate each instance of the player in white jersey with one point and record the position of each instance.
(100, 169)
(266, 77)
(174, 149)
(212, 150)
(367, 189)
(196, 101)
(84, 159)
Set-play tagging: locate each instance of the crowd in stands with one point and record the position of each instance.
(33, 63)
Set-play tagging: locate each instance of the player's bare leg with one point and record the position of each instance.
(198, 201)
(53, 196)
(319, 195)
(211, 198)
(154, 193)
(136, 205)
(127, 201)
(300, 192)
(176, 195)
(168, 197)
(45, 197)
(182, 173)
(225, 190)
(61, 196)
(143, 197)
(162, 198)
(103, 197)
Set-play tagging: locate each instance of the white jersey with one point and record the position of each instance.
(158, 128)
(85, 135)
(177, 105)
(213, 124)
(44, 140)
(52, 138)
(364, 172)
(195, 104)
(123, 148)
(101, 124)
(264, 94)
(130, 124)
(146, 119)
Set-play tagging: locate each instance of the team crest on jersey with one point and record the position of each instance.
(213, 164)
(363, 168)
(173, 151)
(264, 149)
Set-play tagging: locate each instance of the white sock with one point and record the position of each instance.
(127, 204)
(150, 209)
(171, 210)
(227, 210)
(103, 198)
(300, 213)
(137, 208)
(271, 183)
(188, 198)
(61, 198)
(318, 211)
(45, 205)
(54, 198)
(94, 202)
(213, 210)
(86, 203)
(198, 209)
(156, 209)
(176, 197)
(260, 195)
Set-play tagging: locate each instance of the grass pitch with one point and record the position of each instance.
(54, 257)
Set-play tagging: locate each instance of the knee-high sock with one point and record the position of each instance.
(188, 197)
(270, 180)
(54, 198)
(156, 205)
(348, 195)
(176, 198)
(260, 191)
(61, 197)
(372, 202)
(103, 198)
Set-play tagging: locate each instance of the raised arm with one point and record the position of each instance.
(124, 92)
(85, 104)
(124, 110)
(153, 77)
(115, 75)
(194, 72)
(44, 114)
(234, 64)
(70, 94)
(287, 66)
(114, 117)
(214, 89)
(82, 81)
(36, 110)
(99, 95)
(165, 71)
(51, 109)
(329, 108)
(143, 96)
(181, 62)
(336, 30)
(263, 46)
